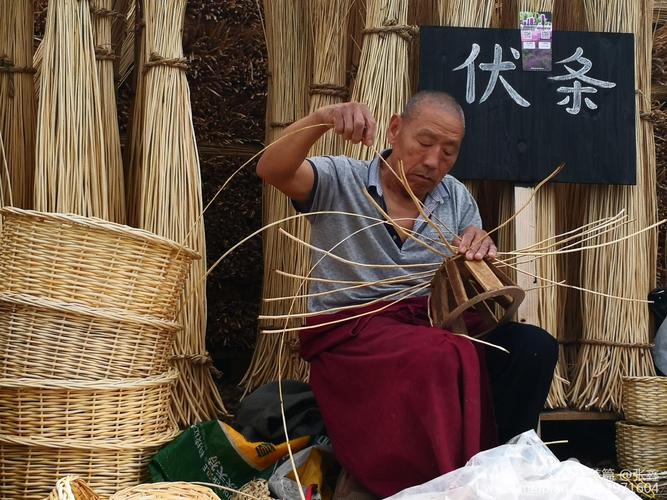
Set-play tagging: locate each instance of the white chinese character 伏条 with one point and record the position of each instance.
(577, 88)
(495, 68)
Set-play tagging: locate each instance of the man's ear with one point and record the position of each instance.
(394, 127)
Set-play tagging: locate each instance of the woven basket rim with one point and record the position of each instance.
(120, 315)
(654, 378)
(97, 224)
(170, 487)
(128, 444)
(643, 427)
(168, 377)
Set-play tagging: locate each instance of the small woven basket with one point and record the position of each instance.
(46, 339)
(29, 470)
(645, 400)
(83, 412)
(166, 491)
(93, 262)
(72, 488)
(641, 447)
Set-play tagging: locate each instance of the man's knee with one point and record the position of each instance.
(526, 341)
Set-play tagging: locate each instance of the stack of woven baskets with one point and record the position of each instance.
(87, 312)
(641, 439)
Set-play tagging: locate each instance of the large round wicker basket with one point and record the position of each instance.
(90, 261)
(29, 470)
(84, 412)
(166, 491)
(46, 339)
(641, 447)
(645, 400)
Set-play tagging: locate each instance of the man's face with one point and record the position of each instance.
(427, 143)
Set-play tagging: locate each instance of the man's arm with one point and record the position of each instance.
(284, 164)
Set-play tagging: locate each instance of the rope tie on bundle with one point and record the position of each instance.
(104, 54)
(329, 89)
(7, 66)
(172, 62)
(406, 32)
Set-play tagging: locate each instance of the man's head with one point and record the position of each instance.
(427, 138)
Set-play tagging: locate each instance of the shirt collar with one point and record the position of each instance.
(439, 194)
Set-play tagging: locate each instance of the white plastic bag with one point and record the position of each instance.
(522, 469)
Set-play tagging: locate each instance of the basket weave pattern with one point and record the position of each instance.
(166, 491)
(641, 446)
(87, 311)
(93, 262)
(87, 411)
(30, 471)
(44, 339)
(645, 400)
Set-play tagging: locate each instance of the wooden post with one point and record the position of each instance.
(525, 235)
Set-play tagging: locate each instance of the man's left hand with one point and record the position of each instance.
(476, 244)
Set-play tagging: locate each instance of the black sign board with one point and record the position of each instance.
(520, 124)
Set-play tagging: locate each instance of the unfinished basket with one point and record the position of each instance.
(641, 447)
(92, 262)
(166, 491)
(82, 412)
(72, 488)
(645, 400)
(462, 285)
(29, 471)
(47, 339)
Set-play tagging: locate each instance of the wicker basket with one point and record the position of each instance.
(84, 412)
(72, 488)
(641, 447)
(166, 491)
(29, 471)
(90, 261)
(645, 400)
(45, 339)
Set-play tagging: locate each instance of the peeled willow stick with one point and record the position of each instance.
(71, 173)
(103, 20)
(5, 185)
(123, 37)
(383, 77)
(289, 43)
(169, 199)
(17, 97)
(616, 333)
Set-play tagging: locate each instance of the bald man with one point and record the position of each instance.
(403, 402)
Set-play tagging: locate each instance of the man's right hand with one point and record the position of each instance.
(351, 120)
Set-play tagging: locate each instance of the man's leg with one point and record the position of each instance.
(519, 380)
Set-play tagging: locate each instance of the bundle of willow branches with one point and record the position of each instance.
(17, 97)
(616, 333)
(167, 193)
(383, 79)
(289, 47)
(71, 173)
(103, 20)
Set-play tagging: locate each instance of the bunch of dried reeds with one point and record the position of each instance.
(17, 97)
(167, 193)
(659, 69)
(71, 173)
(103, 20)
(5, 186)
(123, 37)
(616, 333)
(383, 79)
(289, 44)
(329, 22)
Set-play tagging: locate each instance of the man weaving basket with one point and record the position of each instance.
(403, 402)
